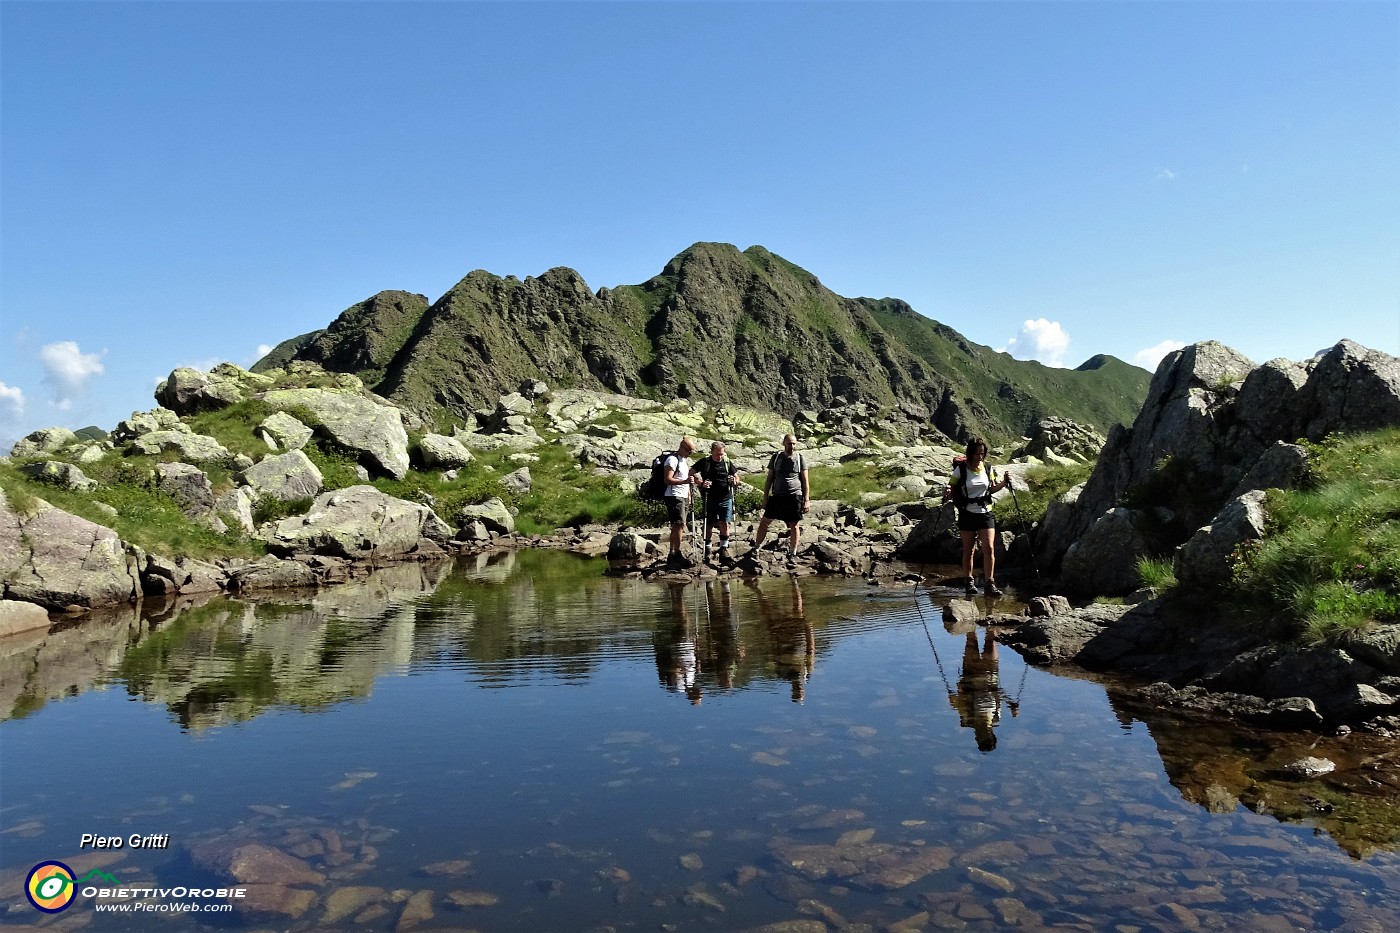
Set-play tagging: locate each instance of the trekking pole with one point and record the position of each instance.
(1024, 524)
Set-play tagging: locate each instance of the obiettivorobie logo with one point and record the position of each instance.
(51, 885)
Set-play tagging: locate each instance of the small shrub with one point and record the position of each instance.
(273, 509)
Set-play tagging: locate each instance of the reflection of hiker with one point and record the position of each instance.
(979, 694)
(974, 481)
(725, 645)
(718, 478)
(677, 497)
(677, 664)
(787, 495)
(791, 639)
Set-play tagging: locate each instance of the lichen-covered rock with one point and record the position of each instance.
(1204, 560)
(182, 575)
(493, 514)
(237, 504)
(288, 477)
(43, 441)
(192, 447)
(62, 561)
(629, 546)
(281, 431)
(373, 430)
(145, 422)
(271, 573)
(187, 391)
(441, 452)
(358, 523)
(518, 481)
(1063, 439)
(60, 474)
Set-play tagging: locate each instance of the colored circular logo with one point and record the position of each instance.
(50, 887)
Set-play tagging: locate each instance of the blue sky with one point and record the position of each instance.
(184, 183)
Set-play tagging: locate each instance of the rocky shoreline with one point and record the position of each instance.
(1225, 426)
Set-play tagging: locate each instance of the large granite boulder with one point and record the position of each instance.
(441, 452)
(1204, 560)
(187, 391)
(289, 477)
(16, 617)
(372, 430)
(191, 447)
(145, 422)
(237, 504)
(189, 486)
(62, 561)
(60, 474)
(281, 431)
(1104, 559)
(180, 575)
(493, 514)
(358, 523)
(43, 441)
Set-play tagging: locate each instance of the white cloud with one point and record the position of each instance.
(1166, 174)
(68, 369)
(1040, 340)
(11, 414)
(1150, 357)
(264, 349)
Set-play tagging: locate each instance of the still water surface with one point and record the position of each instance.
(524, 744)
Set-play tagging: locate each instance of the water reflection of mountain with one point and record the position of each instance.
(1219, 768)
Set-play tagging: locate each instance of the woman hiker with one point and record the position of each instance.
(974, 481)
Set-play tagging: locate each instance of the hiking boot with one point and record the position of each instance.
(994, 590)
(679, 562)
(970, 588)
(724, 557)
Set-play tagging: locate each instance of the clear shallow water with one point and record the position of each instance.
(526, 744)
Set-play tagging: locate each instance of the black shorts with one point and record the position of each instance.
(676, 507)
(785, 507)
(975, 521)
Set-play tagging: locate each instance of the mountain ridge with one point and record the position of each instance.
(717, 324)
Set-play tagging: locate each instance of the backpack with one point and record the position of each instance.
(655, 486)
(958, 492)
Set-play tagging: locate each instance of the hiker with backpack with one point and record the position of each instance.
(787, 495)
(973, 482)
(719, 478)
(677, 480)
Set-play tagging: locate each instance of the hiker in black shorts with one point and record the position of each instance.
(787, 495)
(677, 498)
(972, 485)
(719, 478)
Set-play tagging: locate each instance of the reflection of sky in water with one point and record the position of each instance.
(525, 717)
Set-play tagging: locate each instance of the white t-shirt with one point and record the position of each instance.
(681, 471)
(977, 485)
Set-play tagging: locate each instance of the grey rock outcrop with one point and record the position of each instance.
(518, 481)
(237, 504)
(1204, 560)
(43, 441)
(441, 452)
(1104, 559)
(358, 523)
(181, 440)
(180, 575)
(374, 431)
(145, 422)
(288, 477)
(62, 561)
(272, 573)
(1209, 429)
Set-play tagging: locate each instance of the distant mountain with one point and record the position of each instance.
(724, 326)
